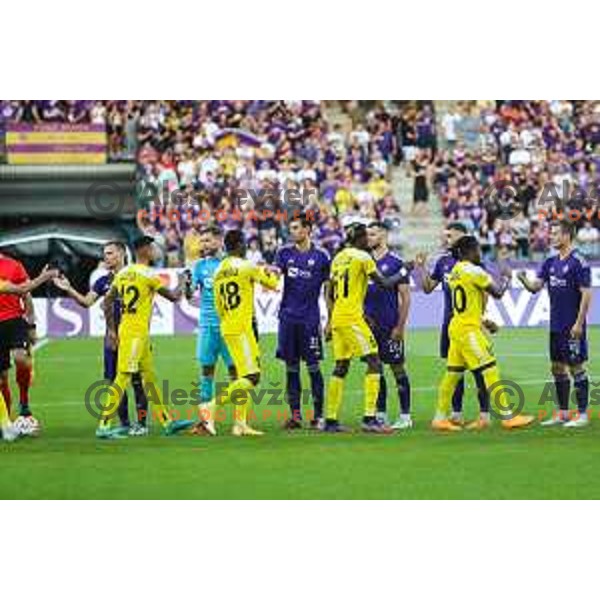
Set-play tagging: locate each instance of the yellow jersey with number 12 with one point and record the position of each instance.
(468, 284)
(350, 271)
(234, 282)
(136, 286)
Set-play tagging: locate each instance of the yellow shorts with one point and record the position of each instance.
(469, 349)
(353, 341)
(244, 352)
(135, 355)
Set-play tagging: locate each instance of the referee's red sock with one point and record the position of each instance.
(5, 389)
(24, 373)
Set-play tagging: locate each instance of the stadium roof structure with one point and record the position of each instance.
(36, 240)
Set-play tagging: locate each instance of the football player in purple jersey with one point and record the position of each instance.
(386, 311)
(305, 269)
(567, 277)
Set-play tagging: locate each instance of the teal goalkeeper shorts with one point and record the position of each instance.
(211, 345)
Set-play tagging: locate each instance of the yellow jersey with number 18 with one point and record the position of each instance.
(350, 271)
(136, 286)
(234, 282)
(468, 284)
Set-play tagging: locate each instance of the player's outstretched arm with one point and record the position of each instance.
(108, 306)
(171, 295)
(179, 292)
(22, 289)
(329, 293)
(428, 283)
(389, 283)
(87, 301)
(268, 276)
(497, 290)
(531, 285)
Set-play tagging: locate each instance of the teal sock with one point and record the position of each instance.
(207, 389)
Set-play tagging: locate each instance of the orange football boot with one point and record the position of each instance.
(518, 421)
(479, 425)
(444, 425)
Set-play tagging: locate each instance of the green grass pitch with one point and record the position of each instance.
(66, 461)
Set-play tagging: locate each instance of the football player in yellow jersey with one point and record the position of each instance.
(470, 348)
(135, 287)
(352, 338)
(233, 284)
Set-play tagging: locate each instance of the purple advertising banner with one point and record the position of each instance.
(518, 308)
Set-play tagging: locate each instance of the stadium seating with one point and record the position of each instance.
(418, 164)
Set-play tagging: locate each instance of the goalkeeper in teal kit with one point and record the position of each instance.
(210, 342)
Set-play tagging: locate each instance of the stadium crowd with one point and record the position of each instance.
(341, 173)
(287, 149)
(481, 158)
(511, 159)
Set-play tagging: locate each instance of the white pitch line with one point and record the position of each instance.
(40, 344)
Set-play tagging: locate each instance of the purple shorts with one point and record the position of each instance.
(299, 341)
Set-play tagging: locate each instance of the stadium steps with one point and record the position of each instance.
(419, 233)
(335, 115)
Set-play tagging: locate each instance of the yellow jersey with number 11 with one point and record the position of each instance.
(468, 284)
(350, 271)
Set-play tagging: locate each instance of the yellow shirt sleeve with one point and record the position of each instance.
(260, 275)
(481, 278)
(155, 282)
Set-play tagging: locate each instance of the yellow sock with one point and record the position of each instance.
(237, 394)
(334, 397)
(114, 395)
(155, 398)
(500, 398)
(4, 416)
(372, 383)
(445, 393)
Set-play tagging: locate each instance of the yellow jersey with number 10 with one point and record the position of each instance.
(468, 283)
(234, 282)
(136, 286)
(350, 271)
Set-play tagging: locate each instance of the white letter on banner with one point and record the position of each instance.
(40, 307)
(191, 311)
(69, 316)
(266, 308)
(492, 312)
(516, 312)
(163, 317)
(97, 321)
(540, 315)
